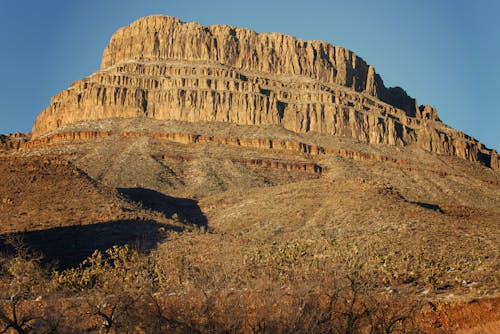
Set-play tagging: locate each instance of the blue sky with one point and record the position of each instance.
(442, 52)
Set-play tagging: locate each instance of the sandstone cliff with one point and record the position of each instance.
(162, 68)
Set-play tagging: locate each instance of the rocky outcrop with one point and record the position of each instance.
(290, 166)
(294, 147)
(162, 68)
(13, 141)
(161, 38)
(308, 151)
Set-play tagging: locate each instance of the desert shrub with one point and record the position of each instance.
(27, 277)
(25, 282)
(284, 262)
(119, 268)
(23, 270)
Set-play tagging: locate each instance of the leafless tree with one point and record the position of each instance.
(163, 321)
(112, 312)
(23, 320)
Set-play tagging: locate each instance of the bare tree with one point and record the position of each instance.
(395, 317)
(166, 321)
(23, 320)
(112, 312)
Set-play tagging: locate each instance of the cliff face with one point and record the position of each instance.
(162, 68)
(164, 38)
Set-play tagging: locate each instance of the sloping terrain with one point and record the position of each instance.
(53, 208)
(421, 225)
(405, 208)
(269, 180)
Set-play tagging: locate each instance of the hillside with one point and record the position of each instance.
(262, 179)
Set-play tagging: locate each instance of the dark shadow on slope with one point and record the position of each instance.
(68, 246)
(186, 209)
(429, 206)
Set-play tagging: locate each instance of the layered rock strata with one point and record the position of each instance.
(294, 147)
(162, 68)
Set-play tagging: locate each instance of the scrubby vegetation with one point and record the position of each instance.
(313, 284)
(280, 288)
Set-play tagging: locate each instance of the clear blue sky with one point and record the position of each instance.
(442, 52)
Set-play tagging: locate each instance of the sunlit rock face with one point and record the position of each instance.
(161, 68)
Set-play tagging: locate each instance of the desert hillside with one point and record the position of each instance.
(221, 180)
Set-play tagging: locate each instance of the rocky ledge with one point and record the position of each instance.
(13, 141)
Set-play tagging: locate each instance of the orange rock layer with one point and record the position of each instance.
(293, 147)
(190, 138)
(290, 166)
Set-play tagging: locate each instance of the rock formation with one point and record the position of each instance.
(13, 141)
(162, 68)
(190, 138)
